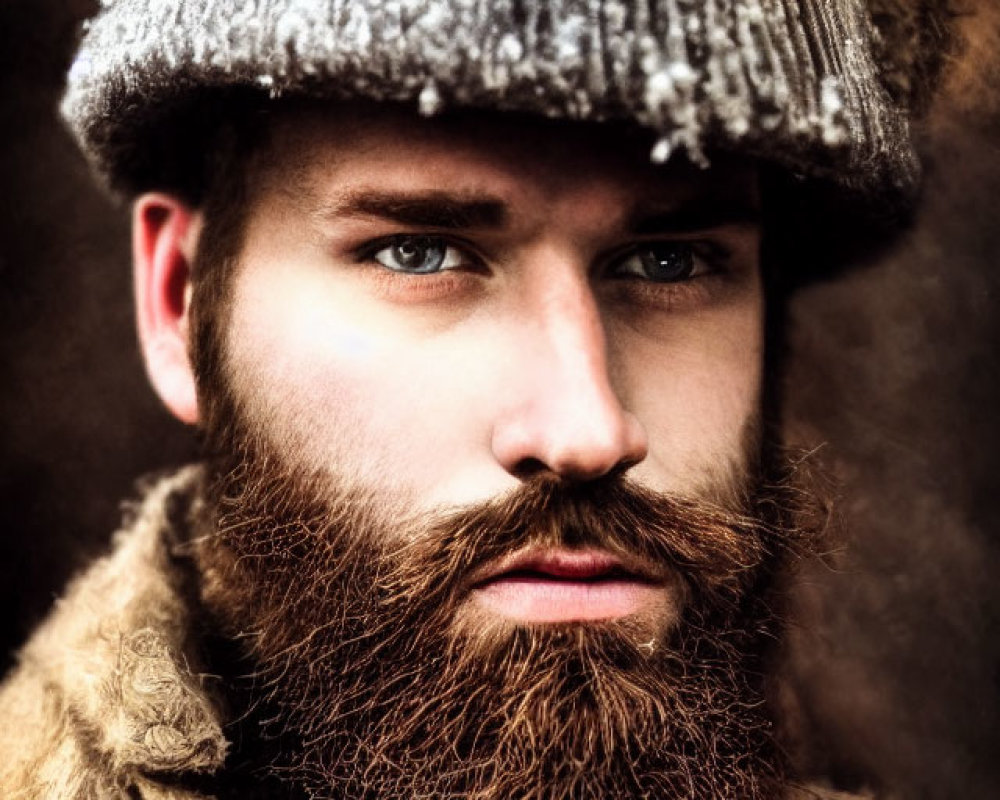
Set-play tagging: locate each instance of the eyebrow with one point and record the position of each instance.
(703, 214)
(437, 209)
(422, 209)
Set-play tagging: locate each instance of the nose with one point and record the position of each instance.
(561, 413)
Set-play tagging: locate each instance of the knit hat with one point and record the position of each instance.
(794, 82)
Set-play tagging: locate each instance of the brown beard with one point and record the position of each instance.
(367, 686)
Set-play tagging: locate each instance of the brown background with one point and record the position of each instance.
(895, 368)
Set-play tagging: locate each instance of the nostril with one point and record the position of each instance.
(623, 466)
(528, 468)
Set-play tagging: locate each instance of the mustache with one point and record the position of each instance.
(285, 528)
(717, 550)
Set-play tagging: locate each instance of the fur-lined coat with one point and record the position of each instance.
(107, 702)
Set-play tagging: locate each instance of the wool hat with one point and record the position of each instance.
(794, 82)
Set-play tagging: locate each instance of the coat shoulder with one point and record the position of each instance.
(104, 697)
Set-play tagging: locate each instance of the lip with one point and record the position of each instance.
(586, 564)
(561, 585)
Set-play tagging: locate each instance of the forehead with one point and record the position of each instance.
(315, 150)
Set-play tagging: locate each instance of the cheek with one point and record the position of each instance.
(337, 383)
(695, 389)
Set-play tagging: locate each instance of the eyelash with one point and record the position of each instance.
(713, 256)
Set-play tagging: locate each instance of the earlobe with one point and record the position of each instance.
(164, 242)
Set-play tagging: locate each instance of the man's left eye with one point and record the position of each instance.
(662, 262)
(419, 255)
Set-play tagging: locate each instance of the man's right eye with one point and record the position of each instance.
(418, 255)
(663, 262)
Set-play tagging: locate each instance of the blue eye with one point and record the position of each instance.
(419, 255)
(662, 262)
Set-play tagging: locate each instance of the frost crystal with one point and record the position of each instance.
(832, 106)
(568, 42)
(682, 74)
(434, 17)
(661, 151)
(616, 14)
(510, 48)
(659, 89)
(430, 102)
(831, 100)
(81, 68)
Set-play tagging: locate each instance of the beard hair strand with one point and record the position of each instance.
(367, 678)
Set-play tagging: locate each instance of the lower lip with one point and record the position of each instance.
(539, 599)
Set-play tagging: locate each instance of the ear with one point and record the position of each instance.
(164, 241)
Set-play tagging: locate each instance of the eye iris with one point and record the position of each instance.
(418, 255)
(668, 263)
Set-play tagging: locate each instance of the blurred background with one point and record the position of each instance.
(896, 669)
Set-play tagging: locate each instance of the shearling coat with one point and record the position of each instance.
(107, 702)
(104, 702)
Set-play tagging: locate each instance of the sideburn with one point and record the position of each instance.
(241, 158)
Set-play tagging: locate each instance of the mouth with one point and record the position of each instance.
(560, 585)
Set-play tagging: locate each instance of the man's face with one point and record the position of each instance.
(440, 308)
(440, 311)
(495, 395)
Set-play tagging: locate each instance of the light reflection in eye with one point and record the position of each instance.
(657, 262)
(663, 262)
(419, 255)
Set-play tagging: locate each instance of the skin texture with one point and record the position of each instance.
(534, 354)
(536, 341)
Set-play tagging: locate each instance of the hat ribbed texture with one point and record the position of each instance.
(793, 81)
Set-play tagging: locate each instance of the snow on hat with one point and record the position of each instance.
(792, 81)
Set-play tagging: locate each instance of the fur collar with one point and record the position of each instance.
(123, 698)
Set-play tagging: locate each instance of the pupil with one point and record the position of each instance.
(410, 253)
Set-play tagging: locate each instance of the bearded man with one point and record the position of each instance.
(477, 308)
